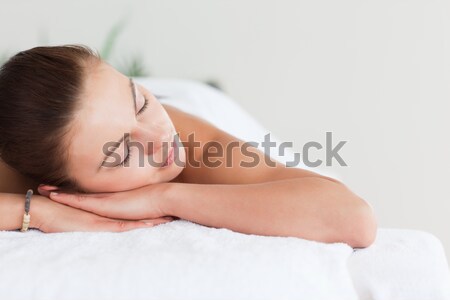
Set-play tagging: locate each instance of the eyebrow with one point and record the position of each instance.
(120, 141)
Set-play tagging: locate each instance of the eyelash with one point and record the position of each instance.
(127, 159)
(143, 107)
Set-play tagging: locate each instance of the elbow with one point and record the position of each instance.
(363, 229)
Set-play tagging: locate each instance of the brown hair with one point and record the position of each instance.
(39, 92)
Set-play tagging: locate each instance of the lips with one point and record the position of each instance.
(171, 155)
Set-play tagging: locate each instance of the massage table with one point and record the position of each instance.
(183, 260)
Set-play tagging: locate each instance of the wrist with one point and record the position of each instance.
(12, 209)
(167, 199)
(37, 208)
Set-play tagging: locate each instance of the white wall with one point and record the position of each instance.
(375, 73)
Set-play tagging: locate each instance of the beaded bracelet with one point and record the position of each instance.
(26, 215)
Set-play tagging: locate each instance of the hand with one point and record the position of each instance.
(49, 216)
(136, 204)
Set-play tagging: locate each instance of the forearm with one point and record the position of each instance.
(312, 208)
(12, 210)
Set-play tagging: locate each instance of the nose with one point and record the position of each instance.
(154, 139)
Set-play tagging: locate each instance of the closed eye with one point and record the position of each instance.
(144, 107)
(127, 158)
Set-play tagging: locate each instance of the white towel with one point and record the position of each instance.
(177, 260)
(401, 265)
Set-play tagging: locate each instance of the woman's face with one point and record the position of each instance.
(119, 116)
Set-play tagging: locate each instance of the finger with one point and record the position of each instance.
(48, 187)
(121, 225)
(158, 221)
(106, 205)
(65, 196)
(81, 201)
(45, 190)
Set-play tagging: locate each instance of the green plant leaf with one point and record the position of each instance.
(111, 38)
(134, 67)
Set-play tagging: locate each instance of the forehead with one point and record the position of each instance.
(102, 117)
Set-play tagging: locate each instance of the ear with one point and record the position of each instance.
(45, 189)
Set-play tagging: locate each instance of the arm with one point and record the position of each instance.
(263, 199)
(11, 211)
(313, 208)
(50, 216)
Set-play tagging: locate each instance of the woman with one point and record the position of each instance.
(106, 156)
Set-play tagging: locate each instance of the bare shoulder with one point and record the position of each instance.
(186, 123)
(233, 163)
(194, 131)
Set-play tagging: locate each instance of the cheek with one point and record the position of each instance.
(126, 178)
(135, 177)
(132, 177)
